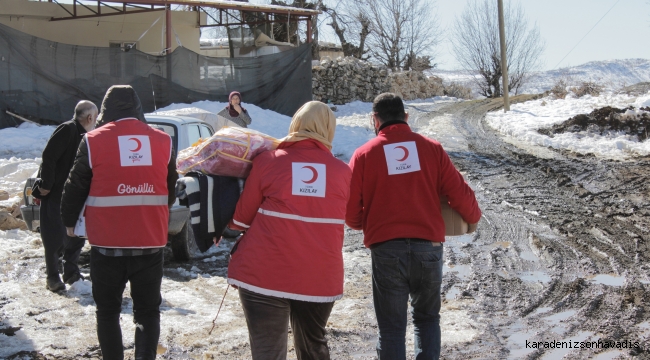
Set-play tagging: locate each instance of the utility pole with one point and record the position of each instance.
(168, 41)
(504, 61)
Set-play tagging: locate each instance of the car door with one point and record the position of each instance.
(206, 131)
(193, 133)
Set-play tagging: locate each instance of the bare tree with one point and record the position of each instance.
(402, 31)
(476, 45)
(351, 26)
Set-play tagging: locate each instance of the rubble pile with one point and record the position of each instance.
(10, 217)
(607, 121)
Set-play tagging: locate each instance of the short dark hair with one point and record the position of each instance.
(388, 107)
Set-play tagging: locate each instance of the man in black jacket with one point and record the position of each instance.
(58, 157)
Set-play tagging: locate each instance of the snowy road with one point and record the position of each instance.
(561, 255)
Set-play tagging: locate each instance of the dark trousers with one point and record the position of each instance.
(56, 242)
(400, 268)
(268, 319)
(109, 275)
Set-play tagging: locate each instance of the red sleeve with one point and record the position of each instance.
(460, 195)
(250, 199)
(354, 211)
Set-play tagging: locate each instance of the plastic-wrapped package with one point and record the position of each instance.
(229, 152)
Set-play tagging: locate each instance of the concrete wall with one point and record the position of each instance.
(32, 17)
(332, 54)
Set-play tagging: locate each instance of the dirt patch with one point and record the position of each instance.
(606, 121)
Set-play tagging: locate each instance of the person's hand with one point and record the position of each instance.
(216, 241)
(70, 231)
(43, 191)
(237, 107)
(471, 228)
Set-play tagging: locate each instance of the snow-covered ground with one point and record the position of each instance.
(523, 121)
(63, 324)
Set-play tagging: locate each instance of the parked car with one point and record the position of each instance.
(184, 132)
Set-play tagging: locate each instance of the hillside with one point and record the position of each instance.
(612, 74)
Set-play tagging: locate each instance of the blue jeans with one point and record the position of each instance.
(403, 267)
(109, 275)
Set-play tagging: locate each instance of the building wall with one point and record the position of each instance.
(33, 17)
(332, 54)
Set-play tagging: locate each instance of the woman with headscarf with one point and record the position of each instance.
(288, 265)
(234, 111)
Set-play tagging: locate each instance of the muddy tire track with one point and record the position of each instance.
(580, 216)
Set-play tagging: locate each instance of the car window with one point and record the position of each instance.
(168, 129)
(205, 131)
(193, 133)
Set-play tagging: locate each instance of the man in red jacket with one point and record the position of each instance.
(397, 181)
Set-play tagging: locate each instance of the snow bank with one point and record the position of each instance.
(524, 119)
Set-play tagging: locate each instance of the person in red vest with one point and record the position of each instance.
(288, 265)
(122, 180)
(397, 181)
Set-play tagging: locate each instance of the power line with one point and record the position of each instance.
(576, 45)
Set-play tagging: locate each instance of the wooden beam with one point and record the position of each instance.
(309, 30)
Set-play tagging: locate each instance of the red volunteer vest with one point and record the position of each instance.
(127, 203)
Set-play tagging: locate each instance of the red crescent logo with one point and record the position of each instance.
(406, 152)
(138, 147)
(314, 175)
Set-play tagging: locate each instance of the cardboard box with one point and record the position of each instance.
(454, 223)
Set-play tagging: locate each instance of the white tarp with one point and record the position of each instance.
(216, 121)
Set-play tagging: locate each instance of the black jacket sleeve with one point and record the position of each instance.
(55, 148)
(77, 187)
(172, 176)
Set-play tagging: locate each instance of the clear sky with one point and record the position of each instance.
(623, 34)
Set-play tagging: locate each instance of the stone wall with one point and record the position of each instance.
(347, 79)
(411, 85)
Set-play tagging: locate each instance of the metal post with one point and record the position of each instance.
(168, 40)
(241, 28)
(168, 29)
(504, 61)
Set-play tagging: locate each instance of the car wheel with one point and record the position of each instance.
(183, 244)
